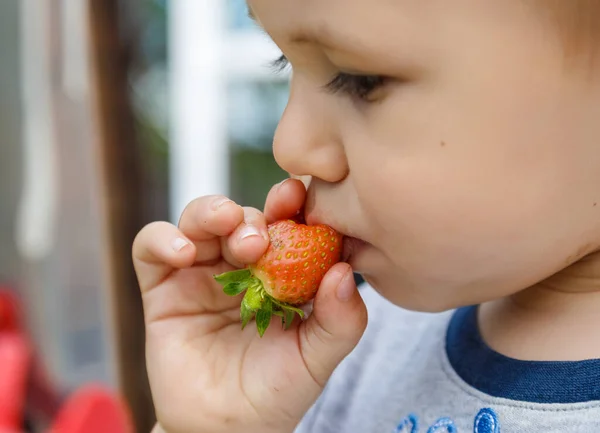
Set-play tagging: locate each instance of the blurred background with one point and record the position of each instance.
(115, 113)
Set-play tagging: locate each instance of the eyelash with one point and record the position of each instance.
(355, 86)
(279, 64)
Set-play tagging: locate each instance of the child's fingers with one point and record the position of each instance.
(249, 240)
(336, 324)
(285, 200)
(210, 216)
(157, 249)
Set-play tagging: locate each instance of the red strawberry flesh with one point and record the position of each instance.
(296, 260)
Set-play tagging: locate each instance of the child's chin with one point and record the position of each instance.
(424, 301)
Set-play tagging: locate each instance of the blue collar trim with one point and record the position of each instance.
(499, 376)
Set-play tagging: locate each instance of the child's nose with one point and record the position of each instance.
(307, 141)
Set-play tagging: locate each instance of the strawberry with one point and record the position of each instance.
(287, 275)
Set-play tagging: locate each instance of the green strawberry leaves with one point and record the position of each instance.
(287, 313)
(235, 288)
(263, 316)
(288, 318)
(246, 313)
(235, 282)
(233, 276)
(256, 303)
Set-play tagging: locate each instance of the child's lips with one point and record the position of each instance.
(351, 247)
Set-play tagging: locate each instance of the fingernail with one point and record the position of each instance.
(346, 287)
(265, 234)
(249, 231)
(179, 243)
(218, 202)
(280, 184)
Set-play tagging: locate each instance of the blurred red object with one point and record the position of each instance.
(91, 409)
(10, 315)
(15, 363)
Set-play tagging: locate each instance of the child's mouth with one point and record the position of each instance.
(351, 245)
(351, 248)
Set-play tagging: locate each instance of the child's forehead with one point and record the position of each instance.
(294, 12)
(406, 27)
(328, 20)
(395, 24)
(343, 26)
(380, 17)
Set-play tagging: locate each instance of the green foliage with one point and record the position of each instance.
(253, 173)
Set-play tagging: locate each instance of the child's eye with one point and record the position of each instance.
(356, 86)
(361, 87)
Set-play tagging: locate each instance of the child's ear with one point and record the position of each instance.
(486, 421)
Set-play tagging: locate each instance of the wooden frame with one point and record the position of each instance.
(124, 198)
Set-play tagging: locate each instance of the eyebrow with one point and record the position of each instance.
(325, 38)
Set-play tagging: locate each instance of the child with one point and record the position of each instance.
(457, 146)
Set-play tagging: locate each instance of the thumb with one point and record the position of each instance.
(336, 324)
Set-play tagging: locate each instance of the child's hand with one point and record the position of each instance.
(206, 374)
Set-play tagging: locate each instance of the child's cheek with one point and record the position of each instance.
(450, 225)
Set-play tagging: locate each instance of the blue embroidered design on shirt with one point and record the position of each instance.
(443, 425)
(486, 421)
(411, 421)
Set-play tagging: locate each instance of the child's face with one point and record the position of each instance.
(472, 170)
